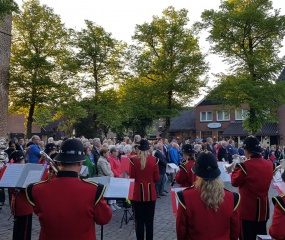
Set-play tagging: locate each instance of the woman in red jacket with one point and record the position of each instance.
(277, 230)
(144, 169)
(206, 210)
(185, 177)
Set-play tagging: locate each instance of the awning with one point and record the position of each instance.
(235, 129)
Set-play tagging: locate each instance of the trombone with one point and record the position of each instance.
(49, 161)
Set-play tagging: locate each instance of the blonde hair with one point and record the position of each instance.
(143, 155)
(212, 192)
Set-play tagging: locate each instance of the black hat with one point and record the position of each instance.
(50, 147)
(71, 151)
(188, 148)
(144, 145)
(206, 166)
(17, 156)
(252, 145)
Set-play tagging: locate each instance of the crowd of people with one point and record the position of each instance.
(206, 210)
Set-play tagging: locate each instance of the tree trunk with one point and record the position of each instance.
(30, 120)
(5, 52)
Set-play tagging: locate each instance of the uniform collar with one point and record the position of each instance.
(67, 174)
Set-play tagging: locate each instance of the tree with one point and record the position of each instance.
(40, 61)
(169, 58)
(100, 59)
(248, 35)
(7, 7)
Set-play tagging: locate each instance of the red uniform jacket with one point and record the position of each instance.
(68, 207)
(253, 178)
(144, 189)
(19, 203)
(185, 177)
(277, 229)
(115, 166)
(195, 221)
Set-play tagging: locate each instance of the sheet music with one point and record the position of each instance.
(226, 177)
(32, 177)
(277, 176)
(172, 168)
(118, 188)
(84, 171)
(174, 198)
(12, 175)
(103, 180)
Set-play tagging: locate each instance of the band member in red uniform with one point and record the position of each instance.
(67, 206)
(20, 207)
(185, 177)
(277, 230)
(206, 210)
(144, 169)
(253, 178)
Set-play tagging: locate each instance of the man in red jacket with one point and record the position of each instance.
(67, 200)
(253, 178)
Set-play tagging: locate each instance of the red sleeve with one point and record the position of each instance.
(132, 170)
(156, 173)
(181, 223)
(238, 177)
(235, 226)
(103, 213)
(277, 229)
(181, 176)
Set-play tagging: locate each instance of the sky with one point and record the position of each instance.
(120, 17)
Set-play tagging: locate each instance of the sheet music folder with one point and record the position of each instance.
(20, 175)
(115, 187)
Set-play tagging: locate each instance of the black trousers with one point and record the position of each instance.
(22, 227)
(144, 214)
(250, 229)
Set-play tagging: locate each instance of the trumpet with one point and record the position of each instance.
(279, 167)
(236, 159)
(49, 161)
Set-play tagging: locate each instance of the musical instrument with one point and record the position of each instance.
(49, 161)
(236, 159)
(280, 167)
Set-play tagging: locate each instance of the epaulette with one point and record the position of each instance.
(236, 198)
(183, 167)
(180, 197)
(279, 200)
(29, 189)
(157, 161)
(100, 190)
(242, 166)
(131, 161)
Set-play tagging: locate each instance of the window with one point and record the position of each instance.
(223, 115)
(206, 134)
(206, 116)
(241, 114)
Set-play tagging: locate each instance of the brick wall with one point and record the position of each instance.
(5, 50)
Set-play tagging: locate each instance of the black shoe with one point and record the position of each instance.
(165, 191)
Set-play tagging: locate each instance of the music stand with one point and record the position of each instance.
(127, 215)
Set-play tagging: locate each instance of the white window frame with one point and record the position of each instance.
(207, 120)
(224, 114)
(243, 113)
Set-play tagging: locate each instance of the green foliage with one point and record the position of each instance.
(248, 35)
(43, 116)
(7, 7)
(99, 57)
(40, 75)
(168, 60)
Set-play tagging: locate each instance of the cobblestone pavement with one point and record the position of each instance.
(164, 221)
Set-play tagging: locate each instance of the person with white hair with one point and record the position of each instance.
(50, 140)
(96, 151)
